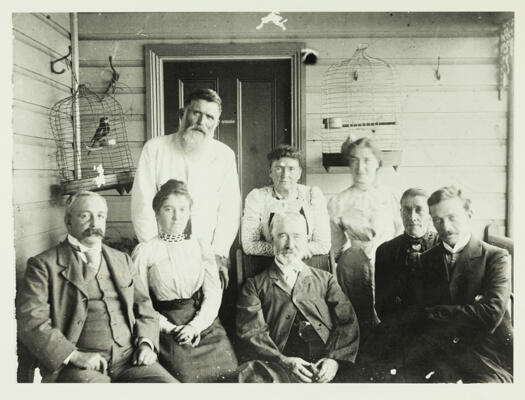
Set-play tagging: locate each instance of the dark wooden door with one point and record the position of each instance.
(256, 110)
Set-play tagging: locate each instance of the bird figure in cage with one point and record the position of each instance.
(99, 137)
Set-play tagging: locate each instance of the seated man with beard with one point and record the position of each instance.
(294, 320)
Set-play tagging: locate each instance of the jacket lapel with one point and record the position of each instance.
(275, 276)
(302, 285)
(119, 272)
(72, 267)
(465, 264)
(440, 263)
(437, 288)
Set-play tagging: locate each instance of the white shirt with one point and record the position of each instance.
(460, 244)
(290, 272)
(83, 249)
(261, 203)
(212, 182)
(363, 218)
(177, 271)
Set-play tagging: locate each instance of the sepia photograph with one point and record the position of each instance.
(256, 196)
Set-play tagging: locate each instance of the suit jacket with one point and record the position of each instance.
(393, 275)
(266, 311)
(467, 309)
(52, 304)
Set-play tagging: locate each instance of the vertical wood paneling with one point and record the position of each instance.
(454, 129)
(38, 215)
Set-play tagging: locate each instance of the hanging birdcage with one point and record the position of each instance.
(92, 146)
(360, 98)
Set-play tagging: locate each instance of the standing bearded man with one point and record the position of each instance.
(208, 168)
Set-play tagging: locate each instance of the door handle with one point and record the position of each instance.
(228, 122)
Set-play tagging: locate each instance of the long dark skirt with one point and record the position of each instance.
(355, 274)
(212, 360)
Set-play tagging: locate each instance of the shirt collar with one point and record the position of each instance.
(294, 194)
(296, 267)
(416, 237)
(460, 245)
(80, 247)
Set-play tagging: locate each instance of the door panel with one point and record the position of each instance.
(256, 109)
(257, 101)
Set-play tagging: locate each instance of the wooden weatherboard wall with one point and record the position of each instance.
(454, 129)
(38, 215)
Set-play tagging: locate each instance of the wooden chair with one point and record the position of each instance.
(250, 265)
(493, 235)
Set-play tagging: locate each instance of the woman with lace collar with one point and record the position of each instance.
(182, 275)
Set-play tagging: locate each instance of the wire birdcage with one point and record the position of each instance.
(92, 146)
(360, 98)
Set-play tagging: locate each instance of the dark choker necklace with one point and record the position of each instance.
(179, 237)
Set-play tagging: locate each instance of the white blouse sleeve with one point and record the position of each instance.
(251, 228)
(339, 239)
(144, 188)
(398, 223)
(320, 243)
(140, 259)
(211, 290)
(227, 224)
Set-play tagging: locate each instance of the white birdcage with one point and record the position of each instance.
(360, 98)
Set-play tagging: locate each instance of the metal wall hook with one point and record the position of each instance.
(114, 78)
(437, 73)
(53, 70)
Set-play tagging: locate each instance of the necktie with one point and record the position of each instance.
(451, 259)
(93, 261)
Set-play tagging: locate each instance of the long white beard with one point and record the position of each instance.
(192, 141)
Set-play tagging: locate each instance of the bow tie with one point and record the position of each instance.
(413, 240)
(415, 244)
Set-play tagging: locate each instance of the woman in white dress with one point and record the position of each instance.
(183, 279)
(361, 218)
(285, 194)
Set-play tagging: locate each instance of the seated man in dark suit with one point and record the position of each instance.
(452, 324)
(397, 258)
(82, 310)
(294, 318)
(465, 290)
(396, 261)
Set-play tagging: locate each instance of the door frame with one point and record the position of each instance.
(156, 54)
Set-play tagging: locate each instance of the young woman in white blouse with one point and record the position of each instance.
(362, 217)
(286, 194)
(182, 275)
